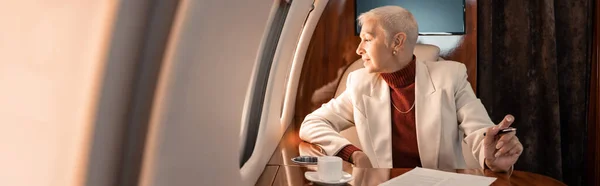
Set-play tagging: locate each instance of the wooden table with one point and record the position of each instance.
(282, 171)
(294, 175)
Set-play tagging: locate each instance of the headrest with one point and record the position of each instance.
(427, 52)
(423, 52)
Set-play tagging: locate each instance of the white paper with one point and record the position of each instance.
(429, 177)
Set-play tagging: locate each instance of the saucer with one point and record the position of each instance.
(314, 177)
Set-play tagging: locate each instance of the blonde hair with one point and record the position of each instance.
(393, 19)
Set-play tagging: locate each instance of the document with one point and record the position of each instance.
(429, 177)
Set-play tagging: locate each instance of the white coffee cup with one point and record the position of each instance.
(329, 168)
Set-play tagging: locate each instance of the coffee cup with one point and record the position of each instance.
(329, 168)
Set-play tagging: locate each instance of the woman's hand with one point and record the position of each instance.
(360, 160)
(501, 151)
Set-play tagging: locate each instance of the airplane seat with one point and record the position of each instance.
(423, 52)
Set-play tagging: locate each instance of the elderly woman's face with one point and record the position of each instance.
(375, 53)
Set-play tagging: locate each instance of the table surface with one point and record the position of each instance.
(294, 175)
(280, 170)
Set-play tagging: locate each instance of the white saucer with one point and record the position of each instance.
(314, 177)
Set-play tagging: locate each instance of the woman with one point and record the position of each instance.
(408, 112)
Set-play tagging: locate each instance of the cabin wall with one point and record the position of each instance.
(50, 68)
(194, 129)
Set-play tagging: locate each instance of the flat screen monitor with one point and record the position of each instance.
(434, 17)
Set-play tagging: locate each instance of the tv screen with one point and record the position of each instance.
(434, 17)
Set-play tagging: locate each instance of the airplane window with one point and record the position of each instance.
(265, 62)
(287, 77)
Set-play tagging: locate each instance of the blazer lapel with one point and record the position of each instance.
(380, 122)
(428, 113)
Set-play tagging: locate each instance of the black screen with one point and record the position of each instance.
(433, 16)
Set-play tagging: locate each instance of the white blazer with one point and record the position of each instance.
(445, 104)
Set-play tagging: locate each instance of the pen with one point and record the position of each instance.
(506, 130)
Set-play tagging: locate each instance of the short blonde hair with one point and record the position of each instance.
(393, 19)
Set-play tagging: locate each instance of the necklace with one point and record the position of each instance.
(411, 107)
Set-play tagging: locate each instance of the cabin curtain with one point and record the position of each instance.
(533, 62)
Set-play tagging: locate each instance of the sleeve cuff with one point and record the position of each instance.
(509, 171)
(346, 152)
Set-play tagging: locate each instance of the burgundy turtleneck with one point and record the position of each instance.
(405, 151)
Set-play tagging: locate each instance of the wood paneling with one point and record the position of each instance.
(332, 47)
(334, 43)
(268, 175)
(466, 50)
(593, 153)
